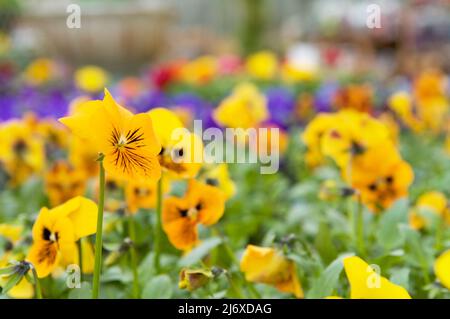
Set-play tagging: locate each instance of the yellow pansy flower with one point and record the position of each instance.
(441, 269)
(433, 201)
(127, 141)
(21, 151)
(11, 232)
(352, 134)
(91, 78)
(218, 175)
(63, 182)
(269, 266)
(380, 175)
(56, 231)
(366, 283)
(40, 71)
(199, 71)
(202, 204)
(182, 151)
(245, 108)
(262, 65)
(142, 193)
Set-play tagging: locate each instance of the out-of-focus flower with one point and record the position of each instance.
(202, 204)
(433, 201)
(357, 97)
(142, 193)
(269, 266)
(218, 175)
(63, 182)
(40, 71)
(281, 103)
(262, 65)
(441, 267)
(130, 87)
(246, 107)
(56, 231)
(5, 43)
(389, 121)
(304, 107)
(401, 103)
(128, 142)
(270, 139)
(312, 137)
(182, 152)
(91, 78)
(163, 75)
(21, 151)
(301, 64)
(199, 71)
(12, 233)
(192, 279)
(229, 64)
(352, 134)
(324, 96)
(380, 175)
(366, 283)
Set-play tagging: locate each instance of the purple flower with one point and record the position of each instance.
(281, 104)
(325, 95)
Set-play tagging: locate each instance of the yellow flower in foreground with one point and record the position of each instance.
(91, 78)
(40, 71)
(127, 141)
(21, 151)
(56, 231)
(442, 269)
(245, 108)
(182, 152)
(202, 204)
(366, 283)
(262, 65)
(269, 266)
(63, 182)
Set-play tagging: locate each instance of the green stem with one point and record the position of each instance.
(80, 258)
(359, 228)
(440, 233)
(157, 232)
(234, 260)
(99, 233)
(132, 234)
(37, 283)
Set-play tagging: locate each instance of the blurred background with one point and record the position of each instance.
(124, 35)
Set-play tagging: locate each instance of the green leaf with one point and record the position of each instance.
(400, 276)
(388, 234)
(324, 243)
(84, 292)
(199, 252)
(7, 271)
(160, 287)
(13, 280)
(328, 280)
(415, 249)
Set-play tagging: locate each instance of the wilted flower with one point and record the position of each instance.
(192, 279)
(269, 266)
(366, 283)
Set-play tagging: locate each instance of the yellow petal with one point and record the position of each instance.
(365, 283)
(82, 212)
(442, 269)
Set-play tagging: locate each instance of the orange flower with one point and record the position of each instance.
(380, 175)
(142, 193)
(202, 204)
